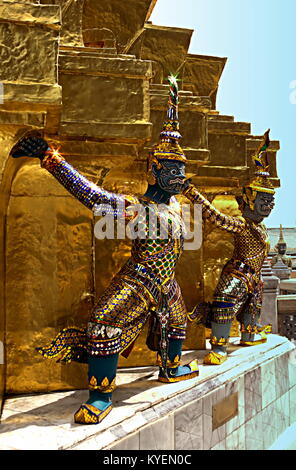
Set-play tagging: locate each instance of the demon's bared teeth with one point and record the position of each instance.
(177, 180)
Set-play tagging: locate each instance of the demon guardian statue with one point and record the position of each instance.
(145, 285)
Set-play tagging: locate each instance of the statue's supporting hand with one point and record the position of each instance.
(34, 147)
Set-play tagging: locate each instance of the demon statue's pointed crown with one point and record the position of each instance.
(262, 181)
(168, 147)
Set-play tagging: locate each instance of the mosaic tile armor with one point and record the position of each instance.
(138, 288)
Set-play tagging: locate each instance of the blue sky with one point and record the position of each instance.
(259, 39)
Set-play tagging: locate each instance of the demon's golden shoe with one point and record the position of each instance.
(88, 414)
(176, 372)
(218, 356)
(214, 358)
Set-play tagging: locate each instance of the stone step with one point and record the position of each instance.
(229, 127)
(220, 117)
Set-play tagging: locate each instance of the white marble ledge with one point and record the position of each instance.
(45, 421)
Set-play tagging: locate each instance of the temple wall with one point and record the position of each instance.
(30, 100)
(48, 277)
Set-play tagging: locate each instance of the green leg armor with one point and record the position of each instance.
(101, 375)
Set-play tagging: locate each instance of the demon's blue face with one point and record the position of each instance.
(171, 176)
(264, 203)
